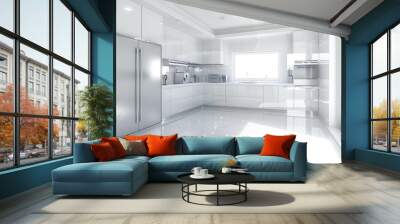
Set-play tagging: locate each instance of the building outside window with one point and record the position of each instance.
(385, 91)
(56, 129)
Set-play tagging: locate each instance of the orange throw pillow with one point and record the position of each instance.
(161, 145)
(116, 145)
(277, 145)
(103, 152)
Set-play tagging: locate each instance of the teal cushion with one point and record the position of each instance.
(249, 145)
(185, 163)
(112, 171)
(257, 163)
(194, 145)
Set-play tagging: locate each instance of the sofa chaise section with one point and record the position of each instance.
(87, 177)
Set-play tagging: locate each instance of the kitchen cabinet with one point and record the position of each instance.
(182, 97)
(244, 95)
(139, 22)
(180, 46)
(215, 94)
(271, 97)
(129, 19)
(212, 51)
(152, 26)
(306, 44)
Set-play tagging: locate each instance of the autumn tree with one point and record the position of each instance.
(33, 131)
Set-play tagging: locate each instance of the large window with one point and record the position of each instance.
(256, 66)
(40, 80)
(385, 92)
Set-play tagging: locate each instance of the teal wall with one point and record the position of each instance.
(99, 15)
(356, 126)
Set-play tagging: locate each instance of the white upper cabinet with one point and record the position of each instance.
(139, 22)
(212, 51)
(129, 19)
(306, 44)
(152, 26)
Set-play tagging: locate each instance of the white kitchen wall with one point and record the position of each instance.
(279, 43)
(330, 83)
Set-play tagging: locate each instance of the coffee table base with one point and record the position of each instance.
(241, 191)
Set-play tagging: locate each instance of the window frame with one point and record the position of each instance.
(388, 74)
(16, 114)
(265, 79)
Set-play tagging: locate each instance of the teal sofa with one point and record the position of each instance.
(125, 176)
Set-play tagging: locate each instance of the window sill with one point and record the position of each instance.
(26, 167)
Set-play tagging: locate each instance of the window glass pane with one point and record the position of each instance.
(6, 142)
(35, 21)
(379, 97)
(81, 82)
(6, 74)
(7, 14)
(62, 89)
(395, 136)
(62, 28)
(395, 94)
(34, 72)
(379, 56)
(81, 45)
(62, 138)
(395, 47)
(81, 131)
(256, 66)
(33, 139)
(379, 135)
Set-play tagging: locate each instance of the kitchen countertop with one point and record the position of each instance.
(240, 83)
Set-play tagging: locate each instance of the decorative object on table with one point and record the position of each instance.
(200, 173)
(96, 102)
(239, 195)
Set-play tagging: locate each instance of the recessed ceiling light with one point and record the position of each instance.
(127, 8)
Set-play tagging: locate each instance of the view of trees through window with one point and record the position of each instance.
(385, 91)
(39, 112)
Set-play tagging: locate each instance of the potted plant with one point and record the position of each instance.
(96, 103)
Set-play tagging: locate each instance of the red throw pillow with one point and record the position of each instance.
(277, 145)
(116, 145)
(161, 145)
(103, 152)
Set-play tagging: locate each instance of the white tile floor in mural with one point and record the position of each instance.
(216, 121)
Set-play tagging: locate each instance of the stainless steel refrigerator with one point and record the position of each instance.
(138, 85)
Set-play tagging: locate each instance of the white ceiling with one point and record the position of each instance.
(314, 15)
(215, 20)
(320, 9)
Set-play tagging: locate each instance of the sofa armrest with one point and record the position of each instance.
(83, 152)
(298, 155)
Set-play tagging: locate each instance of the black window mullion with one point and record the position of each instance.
(16, 69)
(73, 82)
(389, 104)
(50, 77)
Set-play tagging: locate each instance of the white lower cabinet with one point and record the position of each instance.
(215, 94)
(242, 95)
(184, 97)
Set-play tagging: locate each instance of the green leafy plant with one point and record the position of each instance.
(96, 103)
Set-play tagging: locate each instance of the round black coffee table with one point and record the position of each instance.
(238, 179)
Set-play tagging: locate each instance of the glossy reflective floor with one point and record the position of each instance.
(221, 121)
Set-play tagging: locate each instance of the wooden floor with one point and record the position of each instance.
(378, 189)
